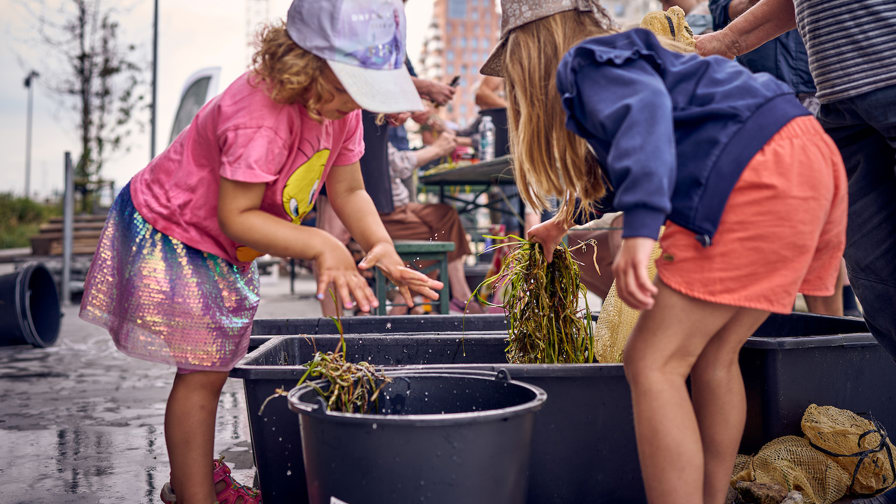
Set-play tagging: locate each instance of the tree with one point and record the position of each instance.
(98, 78)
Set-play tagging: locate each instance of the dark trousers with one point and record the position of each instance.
(864, 128)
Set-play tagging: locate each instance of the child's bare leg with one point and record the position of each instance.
(720, 403)
(829, 305)
(190, 434)
(659, 355)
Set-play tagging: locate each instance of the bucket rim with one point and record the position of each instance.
(26, 320)
(432, 419)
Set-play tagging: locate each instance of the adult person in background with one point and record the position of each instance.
(697, 14)
(490, 93)
(411, 220)
(851, 46)
(785, 57)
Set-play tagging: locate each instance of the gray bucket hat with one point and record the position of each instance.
(515, 13)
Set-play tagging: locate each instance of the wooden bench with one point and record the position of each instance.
(86, 230)
(418, 250)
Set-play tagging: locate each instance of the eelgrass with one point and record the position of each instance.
(353, 388)
(545, 323)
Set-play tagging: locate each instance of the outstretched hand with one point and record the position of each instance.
(630, 270)
(383, 256)
(721, 42)
(336, 266)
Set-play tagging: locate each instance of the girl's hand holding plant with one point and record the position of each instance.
(548, 234)
(630, 271)
(383, 255)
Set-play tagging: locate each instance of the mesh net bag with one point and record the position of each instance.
(741, 462)
(858, 445)
(616, 320)
(791, 462)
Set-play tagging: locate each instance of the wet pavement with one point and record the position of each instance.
(80, 422)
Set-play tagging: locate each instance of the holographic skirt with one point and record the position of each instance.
(164, 301)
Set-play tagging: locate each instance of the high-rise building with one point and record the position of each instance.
(462, 33)
(458, 40)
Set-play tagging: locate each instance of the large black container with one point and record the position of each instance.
(29, 307)
(439, 436)
(583, 448)
(823, 360)
(263, 329)
(279, 364)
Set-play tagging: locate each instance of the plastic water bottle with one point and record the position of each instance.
(486, 139)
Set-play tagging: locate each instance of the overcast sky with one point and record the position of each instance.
(192, 35)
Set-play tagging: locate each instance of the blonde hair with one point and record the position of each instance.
(549, 160)
(291, 74)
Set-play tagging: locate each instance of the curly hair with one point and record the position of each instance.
(291, 74)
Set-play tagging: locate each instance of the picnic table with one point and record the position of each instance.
(482, 176)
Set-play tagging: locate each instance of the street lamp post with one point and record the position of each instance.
(28, 84)
(155, 65)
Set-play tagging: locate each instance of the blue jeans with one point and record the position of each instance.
(864, 128)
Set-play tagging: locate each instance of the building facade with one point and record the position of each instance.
(460, 37)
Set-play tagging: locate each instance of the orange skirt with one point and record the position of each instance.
(783, 229)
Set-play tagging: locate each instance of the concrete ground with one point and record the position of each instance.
(80, 422)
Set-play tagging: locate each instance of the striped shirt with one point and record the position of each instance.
(851, 45)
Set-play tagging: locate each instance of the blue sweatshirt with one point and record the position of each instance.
(672, 132)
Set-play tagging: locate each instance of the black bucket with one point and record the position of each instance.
(438, 436)
(29, 307)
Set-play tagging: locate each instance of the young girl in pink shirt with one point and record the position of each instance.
(173, 279)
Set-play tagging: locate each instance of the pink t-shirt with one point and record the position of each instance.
(245, 136)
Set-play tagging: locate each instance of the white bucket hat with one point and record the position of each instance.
(363, 41)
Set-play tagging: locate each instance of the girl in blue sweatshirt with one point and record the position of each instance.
(749, 187)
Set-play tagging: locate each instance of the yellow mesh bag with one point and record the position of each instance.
(741, 462)
(670, 24)
(791, 462)
(857, 445)
(616, 320)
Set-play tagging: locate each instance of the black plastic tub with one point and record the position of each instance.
(583, 447)
(29, 307)
(264, 329)
(436, 436)
(832, 361)
(278, 364)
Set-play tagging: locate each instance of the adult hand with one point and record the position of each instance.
(630, 270)
(445, 143)
(721, 42)
(398, 119)
(548, 234)
(336, 266)
(435, 91)
(383, 256)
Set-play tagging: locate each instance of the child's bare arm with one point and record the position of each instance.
(345, 190)
(241, 218)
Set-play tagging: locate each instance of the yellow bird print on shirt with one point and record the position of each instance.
(298, 195)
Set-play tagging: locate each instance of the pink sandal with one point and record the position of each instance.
(232, 493)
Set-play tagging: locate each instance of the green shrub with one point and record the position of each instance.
(20, 218)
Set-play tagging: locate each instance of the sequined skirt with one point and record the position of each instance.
(164, 301)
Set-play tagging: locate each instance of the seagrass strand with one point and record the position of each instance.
(545, 323)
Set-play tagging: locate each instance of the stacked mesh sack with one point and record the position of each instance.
(841, 453)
